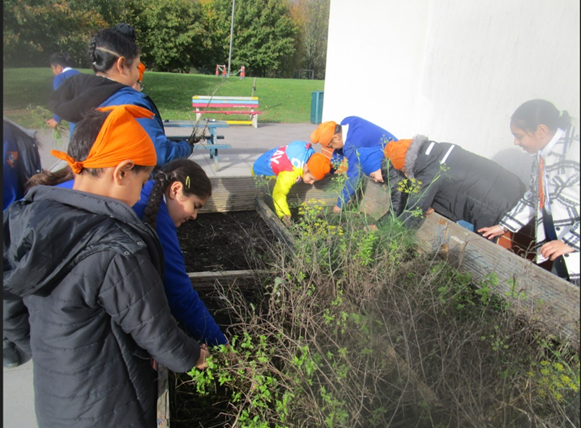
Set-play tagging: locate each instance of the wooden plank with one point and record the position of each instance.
(229, 111)
(270, 218)
(376, 199)
(544, 297)
(162, 397)
(221, 97)
(239, 193)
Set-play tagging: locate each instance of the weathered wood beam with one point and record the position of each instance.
(530, 289)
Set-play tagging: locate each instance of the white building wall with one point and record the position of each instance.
(454, 70)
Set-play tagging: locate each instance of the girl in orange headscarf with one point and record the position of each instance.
(83, 295)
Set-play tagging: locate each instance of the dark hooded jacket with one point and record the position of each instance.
(83, 297)
(458, 184)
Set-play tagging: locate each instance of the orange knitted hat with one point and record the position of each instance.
(319, 165)
(324, 133)
(121, 138)
(395, 151)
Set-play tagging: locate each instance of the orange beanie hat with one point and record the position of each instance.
(319, 165)
(395, 151)
(141, 70)
(324, 133)
(121, 138)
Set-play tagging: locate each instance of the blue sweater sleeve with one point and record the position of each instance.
(165, 149)
(184, 302)
(353, 176)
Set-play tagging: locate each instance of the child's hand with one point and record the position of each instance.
(554, 249)
(204, 354)
(287, 220)
(492, 231)
(336, 209)
(52, 123)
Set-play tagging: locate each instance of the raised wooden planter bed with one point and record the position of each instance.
(547, 298)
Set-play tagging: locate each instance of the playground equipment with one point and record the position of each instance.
(222, 68)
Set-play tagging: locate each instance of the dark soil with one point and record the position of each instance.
(224, 241)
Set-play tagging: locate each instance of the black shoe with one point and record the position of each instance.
(10, 354)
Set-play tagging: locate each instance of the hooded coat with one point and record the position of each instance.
(458, 184)
(83, 92)
(83, 297)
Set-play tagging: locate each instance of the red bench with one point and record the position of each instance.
(227, 105)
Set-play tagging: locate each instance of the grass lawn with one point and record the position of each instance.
(26, 93)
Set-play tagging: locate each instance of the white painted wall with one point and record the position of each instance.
(454, 70)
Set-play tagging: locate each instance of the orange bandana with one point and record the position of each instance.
(324, 133)
(395, 151)
(121, 138)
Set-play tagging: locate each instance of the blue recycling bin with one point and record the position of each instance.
(317, 107)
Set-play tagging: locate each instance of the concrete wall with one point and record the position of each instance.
(454, 70)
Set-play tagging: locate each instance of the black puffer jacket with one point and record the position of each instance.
(465, 186)
(83, 296)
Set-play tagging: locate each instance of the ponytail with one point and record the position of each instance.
(152, 207)
(533, 113)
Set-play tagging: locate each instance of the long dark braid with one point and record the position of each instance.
(189, 173)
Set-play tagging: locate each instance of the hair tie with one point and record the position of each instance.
(160, 176)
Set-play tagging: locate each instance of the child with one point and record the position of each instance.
(179, 190)
(82, 289)
(454, 182)
(290, 164)
(345, 138)
(553, 196)
(62, 68)
(115, 60)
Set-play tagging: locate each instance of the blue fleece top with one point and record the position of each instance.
(56, 82)
(360, 133)
(165, 149)
(370, 158)
(184, 302)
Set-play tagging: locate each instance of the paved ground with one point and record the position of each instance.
(247, 144)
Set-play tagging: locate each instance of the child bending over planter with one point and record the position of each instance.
(83, 294)
(454, 182)
(179, 190)
(345, 139)
(290, 164)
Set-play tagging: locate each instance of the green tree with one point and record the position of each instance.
(34, 29)
(312, 17)
(168, 32)
(264, 33)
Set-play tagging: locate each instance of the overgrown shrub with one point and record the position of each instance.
(355, 328)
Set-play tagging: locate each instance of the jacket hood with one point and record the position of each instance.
(81, 93)
(411, 156)
(52, 229)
